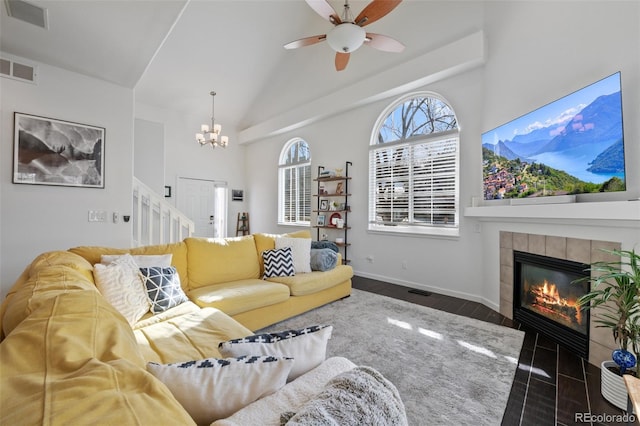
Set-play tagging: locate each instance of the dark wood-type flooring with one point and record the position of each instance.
(551, 384)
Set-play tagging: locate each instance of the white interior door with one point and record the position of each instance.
(204, 202)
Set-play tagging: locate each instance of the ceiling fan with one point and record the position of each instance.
(348, 34)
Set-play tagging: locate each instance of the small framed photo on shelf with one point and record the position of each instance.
(324, 204)
(321, 220)
(339, 188)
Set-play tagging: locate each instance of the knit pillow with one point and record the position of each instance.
(300, 251)
(121, 284)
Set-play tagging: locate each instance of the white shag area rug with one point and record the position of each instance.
(448, 369)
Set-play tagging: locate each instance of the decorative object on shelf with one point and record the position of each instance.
(340, 188)
(48, 151)
(237, 195)
(321, 220)
(347, 34)
(324, 205)
(615, 288)
(209, 135)
(333, 220)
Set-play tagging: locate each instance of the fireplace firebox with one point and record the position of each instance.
(545, 298)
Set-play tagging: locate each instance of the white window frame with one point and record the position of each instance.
(449, 139)
(297, 166)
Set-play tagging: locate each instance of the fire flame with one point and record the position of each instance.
(550, 296)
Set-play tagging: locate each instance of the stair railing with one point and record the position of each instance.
(156, 221)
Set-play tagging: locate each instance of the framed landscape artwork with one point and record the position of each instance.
(48, 151)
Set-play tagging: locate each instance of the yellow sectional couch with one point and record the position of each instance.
(69, 357)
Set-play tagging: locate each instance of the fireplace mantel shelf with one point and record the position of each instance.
(605, 211)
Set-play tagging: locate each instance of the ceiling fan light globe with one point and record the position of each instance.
(346, 37)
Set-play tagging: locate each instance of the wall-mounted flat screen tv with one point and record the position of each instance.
(574, 145)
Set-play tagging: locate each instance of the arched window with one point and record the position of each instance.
(294, 183)
(413, 168)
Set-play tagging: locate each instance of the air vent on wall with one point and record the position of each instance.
(18, 71)
(27, 12)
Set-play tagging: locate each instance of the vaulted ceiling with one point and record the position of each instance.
(174, 52)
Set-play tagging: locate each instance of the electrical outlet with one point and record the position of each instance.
(405, 264)
(116, 217)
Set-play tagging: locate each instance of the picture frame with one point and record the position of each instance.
(340, 188)
(324, 204)
(321, 220)
(49, 151)
(237, 195)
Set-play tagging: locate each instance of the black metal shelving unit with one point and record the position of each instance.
(329, 189)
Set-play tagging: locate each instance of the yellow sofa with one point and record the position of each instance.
(68, 357)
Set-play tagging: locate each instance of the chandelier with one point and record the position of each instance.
(211, 135)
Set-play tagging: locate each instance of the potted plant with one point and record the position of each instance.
(615, 290)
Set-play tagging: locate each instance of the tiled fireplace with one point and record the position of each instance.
(556, 249)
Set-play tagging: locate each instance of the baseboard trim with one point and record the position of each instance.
(427, 288)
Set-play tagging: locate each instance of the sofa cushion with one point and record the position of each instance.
(212, 388)
(307, 346)
(120, 282)
(84, 367)
(163, 288)
(178, 251)
(217, 260)
(182, 333)
(142, 260)
(304, 284)
(300, 251)
(240, 296)
(278, 263)
(49, 274)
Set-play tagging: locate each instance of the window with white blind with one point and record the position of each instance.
(294, 184)
(413, 168)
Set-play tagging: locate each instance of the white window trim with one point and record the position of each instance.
(281, 170)
(412, 230)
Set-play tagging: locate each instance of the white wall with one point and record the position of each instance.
(186, 158)
(38, 218)
(537, 52)
(148, 154)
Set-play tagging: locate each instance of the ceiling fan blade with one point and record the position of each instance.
(307, 41)
(383, 42)
(375, 10)
(325, 10)
(342, 59)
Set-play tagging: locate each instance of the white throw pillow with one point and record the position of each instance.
(300, 251)
(121, 284)
(142, 260)
(308, 347)
(213, 388)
